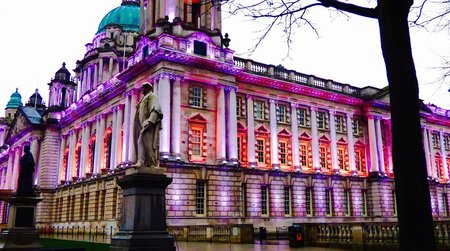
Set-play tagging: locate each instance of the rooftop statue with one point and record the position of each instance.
(25, 181)
(147, 124)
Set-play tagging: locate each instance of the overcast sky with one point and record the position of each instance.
(37, 36)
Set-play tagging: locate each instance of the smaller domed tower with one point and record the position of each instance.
(63, 91)
(36, 101)
(14, 103)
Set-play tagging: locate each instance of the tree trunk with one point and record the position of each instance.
(411, 184)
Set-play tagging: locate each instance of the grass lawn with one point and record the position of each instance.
(89, 246)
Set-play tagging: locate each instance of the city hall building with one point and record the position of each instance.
(245, 142)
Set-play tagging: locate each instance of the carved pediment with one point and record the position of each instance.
(20, 123)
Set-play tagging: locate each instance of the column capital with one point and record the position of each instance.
(332, 111)
(168, 75)
(273, 100)
(231, 88)
(32, 138)
(314, 108)
(349, 114)
(249, 96)
(294, 105)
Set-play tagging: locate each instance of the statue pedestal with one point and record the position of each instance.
(21, 232)
(143, 218)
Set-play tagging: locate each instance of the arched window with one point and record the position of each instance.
(77, 159)
(91, 159)
(107, 142)
(64, 174)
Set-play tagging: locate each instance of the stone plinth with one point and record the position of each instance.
(21, 233)
(143, 218)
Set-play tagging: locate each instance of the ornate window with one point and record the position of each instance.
(264, 201)
(242, 144)
(305, 151)
(342, 155)
(328, 202)
(77, 159)
(283, 113)
(303, 116)
(447, 141)
(360, 159)
(325, 154)
(322, 120)
(436, 140)
(287, 202)
(260, 151)
(241, 106)
(357, 127)
(340, 122)
(197, 97)
(200, 198)
(309, 201)
(64, 174)
(91, 159)
(107, 142)
(262, 146)
(197, 148)
(284, 148)
(439, 168)
(260, 110)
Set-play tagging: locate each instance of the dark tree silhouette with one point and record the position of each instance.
(413, 197)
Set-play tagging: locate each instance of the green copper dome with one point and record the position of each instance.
(15, 101)
(126, 15)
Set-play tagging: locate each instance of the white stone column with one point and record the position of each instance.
(426, 148)
(132, 157)
(176, 119)
(2, 136)
(315, 139)
(15, 174)
(9, 169)
(351, 144)
(150, 18)
(95, 75)
(114, 138)
(100, 70)
(221, 126)
(388, 143)
(273, 134)
(372, 145)
(99, 147)
(164, 93)
(61, 166)
(88, 80)
(83, 83)
(4, 172)
(295, 137)
(119, 140)
(334, 157)
(84, 149)
(444, 155)
(127, 145)
(232, 127)
(432, 159)
(250, 133)
(381, 167)
(72, 139)
(110, 67)
(35, 150)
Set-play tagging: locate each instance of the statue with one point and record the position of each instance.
(147, 124)
(25, 181)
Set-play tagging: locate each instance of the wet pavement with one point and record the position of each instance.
(271, 246)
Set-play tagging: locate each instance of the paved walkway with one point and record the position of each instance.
(273, 246)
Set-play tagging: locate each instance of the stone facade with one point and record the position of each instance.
(245, 142)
